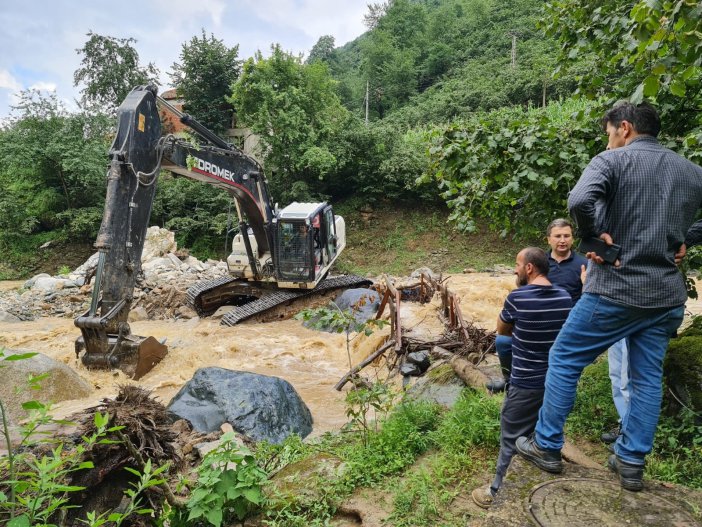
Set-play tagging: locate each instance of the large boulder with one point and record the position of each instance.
(61, 383)
(258, 406)
(363, 302)
(158, 242)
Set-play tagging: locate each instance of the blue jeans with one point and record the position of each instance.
(503, 345)
(594, 324)
(618, 358)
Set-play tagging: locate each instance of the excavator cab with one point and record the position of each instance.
(306, 243)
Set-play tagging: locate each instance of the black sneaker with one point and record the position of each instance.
(612, 435)
(496, 385)
(630, 476)
(548, 460)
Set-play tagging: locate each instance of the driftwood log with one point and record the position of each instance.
(389, 344)
(469, 374)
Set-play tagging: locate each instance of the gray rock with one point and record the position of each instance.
(410, 370)
(61, 384)
(8, 317)
(446, 393)
(417, 272)
(258, 406)
(30, 283)
(49, 284)
(420, 358)
(48, 244)
(137, 314)
(363, 302)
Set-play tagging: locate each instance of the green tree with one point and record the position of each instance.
(391, 54)
(648, 48)
(52, 168)
(294, 109)
(322, 50)
(204, 78)
(196, 212)
(109, 70)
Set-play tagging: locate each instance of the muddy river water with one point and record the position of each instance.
(311, 361)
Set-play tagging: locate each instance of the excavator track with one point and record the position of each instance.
(269, 299)
(195, 294)
(277, 298)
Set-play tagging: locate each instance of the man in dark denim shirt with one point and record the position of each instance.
(650, 198)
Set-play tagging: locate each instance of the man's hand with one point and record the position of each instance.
(598, 259)
(680, 254)
(583, 274)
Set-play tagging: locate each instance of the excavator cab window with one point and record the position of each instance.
(295, 250)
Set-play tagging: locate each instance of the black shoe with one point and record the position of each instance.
(612, 435)
(630, 476)
(496, 385)
(548, 460)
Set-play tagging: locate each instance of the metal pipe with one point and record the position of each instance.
(98, 283)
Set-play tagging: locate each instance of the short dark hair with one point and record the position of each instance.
(536, 257)
(643, 117)
(560, 223)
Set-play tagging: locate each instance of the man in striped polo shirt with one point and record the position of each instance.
(533, 315)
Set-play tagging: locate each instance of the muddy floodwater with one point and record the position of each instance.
(311, 361)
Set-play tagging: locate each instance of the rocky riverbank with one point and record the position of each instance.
(167, 273)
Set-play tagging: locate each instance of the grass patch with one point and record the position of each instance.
(461, 443)
(404, 436)
(400, 238)
(22, 257)
(465, 447)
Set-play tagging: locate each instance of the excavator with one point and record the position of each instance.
(277, 255)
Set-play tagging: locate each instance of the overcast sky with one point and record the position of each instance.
(39, 38)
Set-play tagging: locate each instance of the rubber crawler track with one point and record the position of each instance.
(271, 300)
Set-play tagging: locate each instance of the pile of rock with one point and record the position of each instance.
(167, 274)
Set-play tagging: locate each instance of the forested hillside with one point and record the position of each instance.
(488, 107)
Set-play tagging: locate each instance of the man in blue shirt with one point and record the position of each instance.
(566, 267)
(532, 315)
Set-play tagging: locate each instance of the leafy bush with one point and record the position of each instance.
(228, 486)
(515, 167)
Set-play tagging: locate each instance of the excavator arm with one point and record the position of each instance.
(136, 157)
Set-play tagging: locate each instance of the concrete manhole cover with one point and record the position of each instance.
(590, 502)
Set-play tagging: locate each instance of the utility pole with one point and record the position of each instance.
(543, 98)
(367, 92)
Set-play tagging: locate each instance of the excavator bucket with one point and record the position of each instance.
(134, 355)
